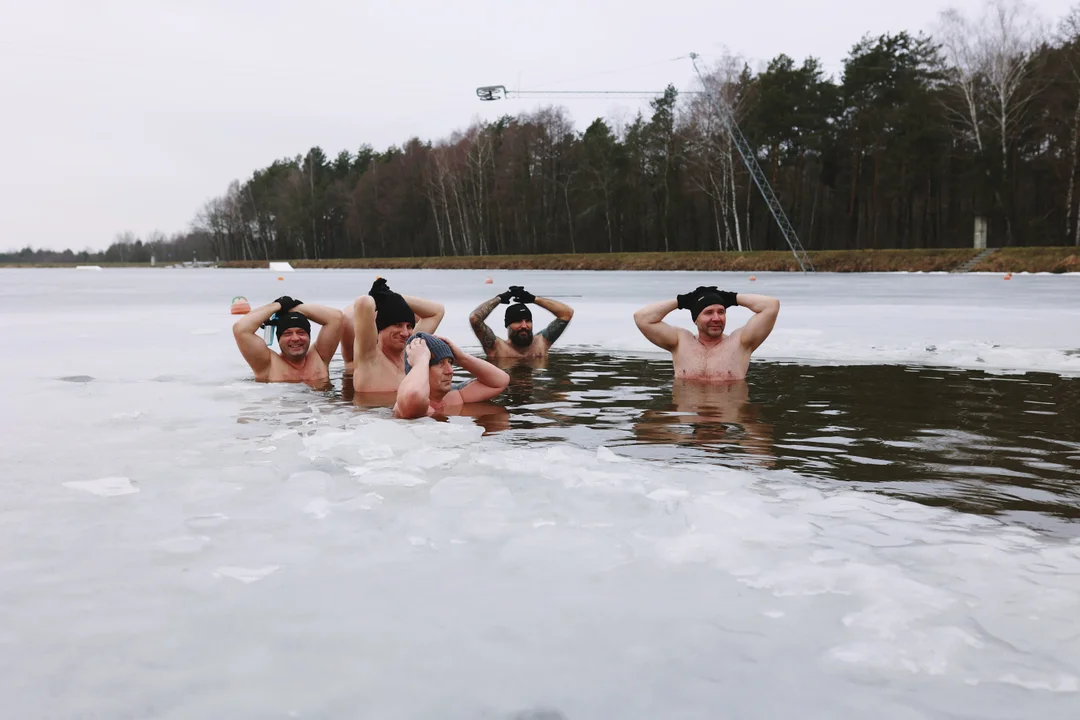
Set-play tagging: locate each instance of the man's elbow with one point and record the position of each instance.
(567, 315)
(411, 405)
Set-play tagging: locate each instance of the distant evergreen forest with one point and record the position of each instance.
(917, 137)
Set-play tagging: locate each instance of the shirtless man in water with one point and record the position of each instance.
(710, 355)
(296, 362)
(382, 322)
(429, 388)
(520, 341)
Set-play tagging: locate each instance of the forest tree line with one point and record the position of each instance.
(918, 136)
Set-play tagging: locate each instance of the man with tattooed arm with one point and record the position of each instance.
(520, 341)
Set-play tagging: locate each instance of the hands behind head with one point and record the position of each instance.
(730, 298)
(686, 300)
(418, 352)
(521, 294)
(379, 287)
(287, 303)
(453, 348)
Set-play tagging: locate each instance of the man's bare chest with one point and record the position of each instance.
(312, 371)
(536, 349)
(380, 375)
(722, 362)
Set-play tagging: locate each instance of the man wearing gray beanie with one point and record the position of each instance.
(520, 341)
(429, 388)
(710, 355)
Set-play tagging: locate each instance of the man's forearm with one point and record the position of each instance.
(560, 310)
(480, 314)
(423, 308)
(482, 370)
(483, 332)
(414, 393)
(756, 303)
(656, 312)
(251, 322)
(319, 314)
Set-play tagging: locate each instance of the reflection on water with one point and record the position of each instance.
(976, 442)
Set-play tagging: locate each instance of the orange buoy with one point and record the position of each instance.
(488, 281)
(240, 306)
(280, 278)
(1008, 276)
(752, 278)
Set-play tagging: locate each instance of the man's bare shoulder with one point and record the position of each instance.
(685, 340)
(376, 374)
(501, 349)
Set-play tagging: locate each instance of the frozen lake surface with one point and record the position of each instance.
(883, 523)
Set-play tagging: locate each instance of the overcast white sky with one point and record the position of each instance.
(130, 114)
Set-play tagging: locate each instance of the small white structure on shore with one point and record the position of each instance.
(281, 267)
(87, 267)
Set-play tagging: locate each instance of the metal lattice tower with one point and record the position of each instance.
(746, 152)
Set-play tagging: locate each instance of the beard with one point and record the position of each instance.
(713, 332)
(522, 338)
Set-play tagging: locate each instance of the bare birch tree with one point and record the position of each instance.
(991, 57)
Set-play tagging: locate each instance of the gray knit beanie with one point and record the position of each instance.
(439, 349)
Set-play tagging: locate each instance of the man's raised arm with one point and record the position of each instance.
(490, 380)
(765, 310)
(562, 312)
(414, 393)
(330, 334)
(253, 347)
(365, 334)
(478, 318)
(429, 312)
(650, 321)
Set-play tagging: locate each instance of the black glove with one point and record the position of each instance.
(522, 295)
(379, 287)
(287, 303)
(504, 298)
(729, 298)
